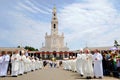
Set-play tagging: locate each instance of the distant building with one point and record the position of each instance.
(101, 48)
(10, 50)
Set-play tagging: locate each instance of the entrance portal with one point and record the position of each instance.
(54, 53)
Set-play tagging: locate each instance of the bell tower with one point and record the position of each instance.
(54, 23)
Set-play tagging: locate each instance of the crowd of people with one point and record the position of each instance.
(111, 62)
(18, 63)
(94, 64)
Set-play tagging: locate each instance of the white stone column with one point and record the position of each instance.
(67, 54)
(45, 55)
(41, 55)
(58, 55)
(63, 55)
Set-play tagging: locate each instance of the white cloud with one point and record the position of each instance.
(29, 6)
(23, 6)
(27, 31)
(94, 21)
(36, 8)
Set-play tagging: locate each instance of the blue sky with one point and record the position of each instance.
(92, 22)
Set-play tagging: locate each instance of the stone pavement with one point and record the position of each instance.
(52, 74)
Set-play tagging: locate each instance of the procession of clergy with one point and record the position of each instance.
(86, 64)
(18, 63)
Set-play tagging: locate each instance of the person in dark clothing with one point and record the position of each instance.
(104, 65)
(60, 63)
(44, 63)
(55, 65)
(9, 66)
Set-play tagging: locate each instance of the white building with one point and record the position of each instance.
(54, 41)
(10, 50)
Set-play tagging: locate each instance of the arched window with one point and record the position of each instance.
(54, 26)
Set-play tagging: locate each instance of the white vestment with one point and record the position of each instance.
(58, 64)
(1, 61)
(64, 64)
(98, 69)
(88, 66)
(41, 64)
(27, 65)
(15, 64)
(22, 64)
(5, 63)
(73, 65)
(83, 63)
(79, 63)
(38, 64)
(33, 64)
(69, 64)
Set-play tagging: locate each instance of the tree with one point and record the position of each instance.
(36, 49)
(116, 43)
(30, 48)
(18, 47)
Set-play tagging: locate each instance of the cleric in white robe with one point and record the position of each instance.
(22, 62)
(79, 63)
(64, 64)
(88, 73)
(41, 64)
(1, 61)
(73, 67)
(27, 65)
(83, 65)
(15, 63)
(98, 69)
(33, 63)
(5, 63)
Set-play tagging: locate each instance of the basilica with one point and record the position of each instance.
(54, 41)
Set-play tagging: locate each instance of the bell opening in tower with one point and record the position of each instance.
(54, 14)
(54, 26)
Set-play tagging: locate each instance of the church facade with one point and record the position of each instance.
(54, 42)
